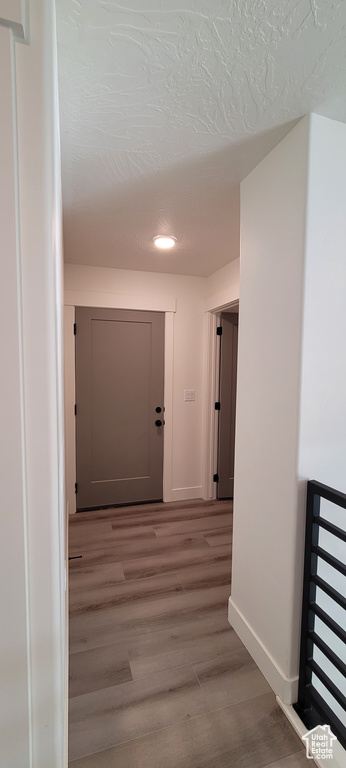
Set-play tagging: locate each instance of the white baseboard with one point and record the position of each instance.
(339, 754)
(183, 494)
(284, 687)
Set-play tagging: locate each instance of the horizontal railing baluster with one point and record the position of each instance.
(330, 591)
(331, 528)
(328, 652)
(328, 621)
(330, 559)
(328, 683)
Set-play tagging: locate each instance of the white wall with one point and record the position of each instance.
(266, 573)
(323, 402)
(291, 409)
(32, 644)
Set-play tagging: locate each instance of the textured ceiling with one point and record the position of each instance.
(167, 105)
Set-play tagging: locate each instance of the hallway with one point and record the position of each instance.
(157, 675)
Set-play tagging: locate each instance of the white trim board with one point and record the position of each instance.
(339, 754)
(219, 302)
(120, 301)
(182, 494)
(284, 687)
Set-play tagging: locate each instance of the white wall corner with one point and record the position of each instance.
(15, 14)
(285, 688)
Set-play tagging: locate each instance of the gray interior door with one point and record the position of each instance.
(119, 387)
(228, 391)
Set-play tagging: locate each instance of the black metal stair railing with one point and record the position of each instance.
(322, 670)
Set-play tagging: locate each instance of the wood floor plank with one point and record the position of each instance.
(88, 527)
(125, 593)
(134, 549)
(299, 760)
(80, 540)
(140, 568)
(219, 536)
(170, 516)
(94, 576)
(98, 668)
(189, 643)
(116, 714)
(206, 576)
(230, 678)
(248, 735)
(192, 526)
(182, 508)
(120, 624)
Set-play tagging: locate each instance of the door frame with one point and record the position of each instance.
(212, 385)
(75, 299)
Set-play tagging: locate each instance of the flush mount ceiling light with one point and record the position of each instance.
(164, 241)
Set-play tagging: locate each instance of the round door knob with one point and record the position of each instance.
(158, 409)
(158, 423)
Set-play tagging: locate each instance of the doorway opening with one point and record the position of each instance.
(220, 414)
(226, 404)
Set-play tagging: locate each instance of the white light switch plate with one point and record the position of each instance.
(189, 395)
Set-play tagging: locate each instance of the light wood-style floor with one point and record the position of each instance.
(158, 679)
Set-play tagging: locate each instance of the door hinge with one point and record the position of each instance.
(219, 330)
(74, 328)
(75, 410)
(216, 478)
(217, 406)
(76, 487)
